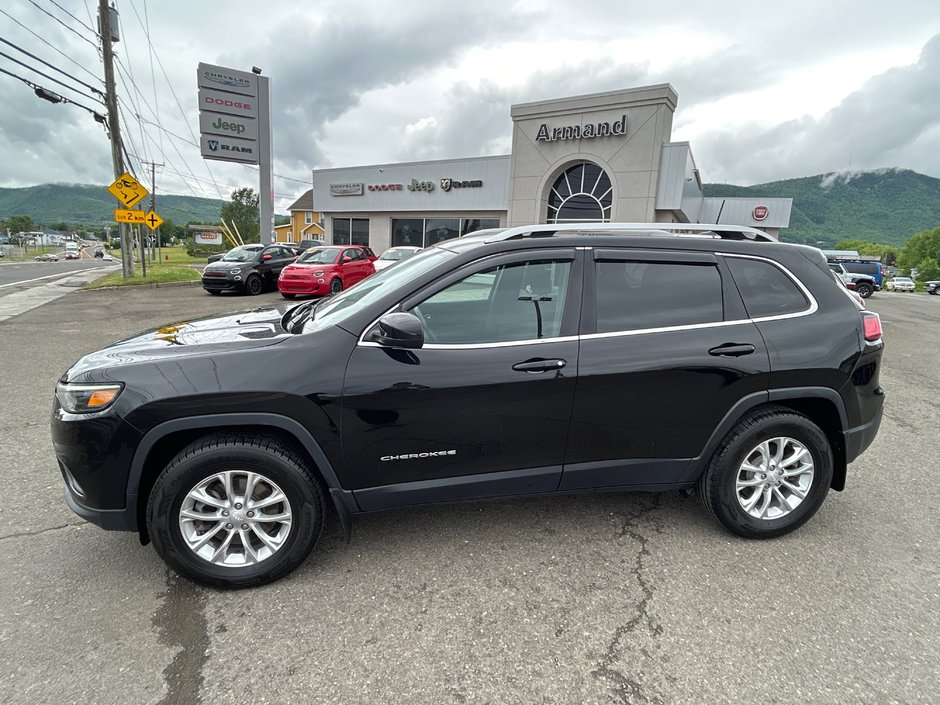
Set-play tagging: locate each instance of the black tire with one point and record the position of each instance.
(336, 286)
(254, 285)
(864, 290)
(288, 296)
(717, 485)
(270, 457)
(214, 292)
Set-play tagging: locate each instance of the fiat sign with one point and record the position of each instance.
(760, 212)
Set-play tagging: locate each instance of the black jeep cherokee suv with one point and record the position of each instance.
(524, 361)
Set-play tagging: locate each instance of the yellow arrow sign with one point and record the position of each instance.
(122, 216)
(128, 191)
(153, 221)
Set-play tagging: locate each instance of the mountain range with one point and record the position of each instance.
(885, 206)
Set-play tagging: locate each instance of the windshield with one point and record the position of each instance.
(395, 254)
(241, 254)
(338, 308)
(320, 255)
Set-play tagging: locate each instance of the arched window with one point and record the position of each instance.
(582, 193)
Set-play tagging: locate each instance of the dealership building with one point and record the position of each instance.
(605, 157)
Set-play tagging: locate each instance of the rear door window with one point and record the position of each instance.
(633, 295)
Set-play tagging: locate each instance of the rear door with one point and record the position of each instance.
(666, 352)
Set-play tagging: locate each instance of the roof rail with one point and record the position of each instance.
(726, 232)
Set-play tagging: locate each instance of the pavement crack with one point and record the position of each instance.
(181, 622)
(21, 534)
(629, 690)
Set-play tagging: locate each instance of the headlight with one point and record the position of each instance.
(318, 274)
(86, 398)
(236, 271)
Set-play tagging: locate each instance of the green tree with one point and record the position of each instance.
(922, 250)
(928, 270)
(20, 223)
(887, 253)
(242, 212)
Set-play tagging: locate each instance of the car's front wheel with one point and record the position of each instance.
(254, 285)
(864, 290)
(235, 510)
(336, 286)
(769, 475)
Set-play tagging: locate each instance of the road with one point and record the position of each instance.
(606, 598)
(13, 274)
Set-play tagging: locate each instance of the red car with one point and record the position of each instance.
(326, 270)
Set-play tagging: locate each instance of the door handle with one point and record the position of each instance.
(732, 350)
(539, 365)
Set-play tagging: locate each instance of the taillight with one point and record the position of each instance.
(872, 324)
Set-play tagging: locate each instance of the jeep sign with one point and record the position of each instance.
(228, 125)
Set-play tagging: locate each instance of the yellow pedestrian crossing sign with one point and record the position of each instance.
(128, 190)
(153, 221)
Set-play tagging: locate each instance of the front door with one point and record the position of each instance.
(483, 407)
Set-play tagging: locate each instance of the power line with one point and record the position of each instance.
(90, 29)
(46, 42)
(53, 97)
(173, 91)
(153, 82)
(71, 29)
(56, 68)
(47, 76)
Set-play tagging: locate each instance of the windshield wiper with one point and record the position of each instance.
(294, 318)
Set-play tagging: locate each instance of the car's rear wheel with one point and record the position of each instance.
(864, 290)
(336, 286)
(254, 285)
(769, 475)
(235, 510)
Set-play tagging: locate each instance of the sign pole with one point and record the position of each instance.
(265, 189)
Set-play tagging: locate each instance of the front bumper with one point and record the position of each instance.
(221, 284)
(303, 287)
(110, 519)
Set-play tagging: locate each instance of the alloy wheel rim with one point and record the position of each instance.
(774, 478)
(235, 519)
(254, 286)
(336, 286)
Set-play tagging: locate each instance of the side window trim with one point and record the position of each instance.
(570, 317)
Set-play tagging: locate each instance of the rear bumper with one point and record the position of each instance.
(859, 438)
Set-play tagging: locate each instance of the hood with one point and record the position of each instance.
(223, 266)
(214, 335)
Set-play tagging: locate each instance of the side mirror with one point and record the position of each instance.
(399, 330)
(347, 259)
(265, 258)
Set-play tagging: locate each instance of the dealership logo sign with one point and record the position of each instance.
(760, 212)
(448, 184)
(385, 187)
(416, 185)
(582, 132)
(346, 189)
(226, 79)
(227, 126)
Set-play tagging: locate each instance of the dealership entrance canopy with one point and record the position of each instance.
(595, 158)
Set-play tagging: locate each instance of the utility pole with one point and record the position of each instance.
(153, 200)
(114, 126)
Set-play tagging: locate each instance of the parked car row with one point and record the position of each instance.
(315, 271)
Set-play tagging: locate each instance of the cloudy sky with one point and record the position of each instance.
(767, 90)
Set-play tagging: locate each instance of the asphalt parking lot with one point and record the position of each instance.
(606, 598)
